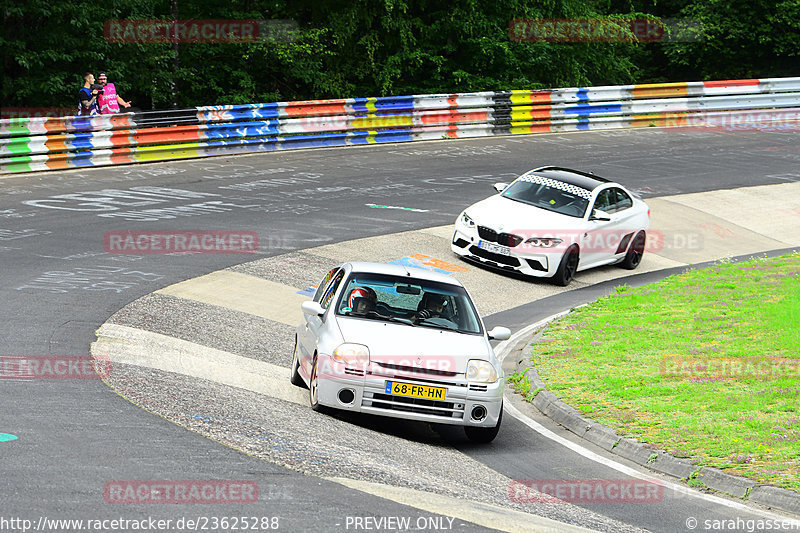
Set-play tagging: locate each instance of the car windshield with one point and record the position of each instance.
(549, 194)
(403, 300)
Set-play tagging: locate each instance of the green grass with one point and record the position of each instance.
(705, 365)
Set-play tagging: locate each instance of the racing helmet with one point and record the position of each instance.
(361, 292)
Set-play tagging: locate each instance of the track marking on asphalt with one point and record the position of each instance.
(607, 461)
(124, 344)
(249, 294)
(483, 514)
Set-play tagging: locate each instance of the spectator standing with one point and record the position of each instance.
(109, 101)
(87, 97)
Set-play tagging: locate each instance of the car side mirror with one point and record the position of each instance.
(600, 215)
(500, 187)
(312, 308)
(499, 333)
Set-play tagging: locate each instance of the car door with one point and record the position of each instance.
(309, 331)
(604, 231)
(626, 221)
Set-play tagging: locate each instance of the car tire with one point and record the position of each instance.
(567, 268)
(635, 252)
(296, 379)
(484, 435)
(313, 389)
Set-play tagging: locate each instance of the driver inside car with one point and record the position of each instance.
(362, 306)
(362, 300)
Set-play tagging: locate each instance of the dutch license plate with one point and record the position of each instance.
(415, 391)
(495, 248)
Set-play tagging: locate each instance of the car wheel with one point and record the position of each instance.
(313, 388)
(567, 268)
(296, 379)
(484, 435)
(635, 252)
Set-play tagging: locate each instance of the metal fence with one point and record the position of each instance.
(35, 144)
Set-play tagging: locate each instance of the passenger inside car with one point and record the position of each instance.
(431, 306)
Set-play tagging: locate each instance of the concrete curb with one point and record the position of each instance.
(640, 453)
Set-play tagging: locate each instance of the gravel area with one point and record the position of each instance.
(296, 269)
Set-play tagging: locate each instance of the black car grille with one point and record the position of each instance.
(413, 405)
(506, 239)
(491, 256)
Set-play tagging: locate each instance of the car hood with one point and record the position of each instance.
(403, 345)
(509, 216)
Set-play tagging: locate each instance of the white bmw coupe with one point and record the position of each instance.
(552, 222)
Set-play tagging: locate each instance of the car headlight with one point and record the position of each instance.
(480, 371)
(352, 355)
(544, 242)
(467, 220)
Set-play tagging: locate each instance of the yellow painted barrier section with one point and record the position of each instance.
(382, 121)
(661, 90)
(171, 151)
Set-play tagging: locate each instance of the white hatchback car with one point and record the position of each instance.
(400, 342)
(553, 222)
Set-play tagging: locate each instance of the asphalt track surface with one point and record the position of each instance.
(59, 285)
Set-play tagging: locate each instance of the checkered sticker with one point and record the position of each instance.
(556, 184)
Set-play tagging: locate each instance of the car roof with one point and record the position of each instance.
(574, 177)
(402, 271)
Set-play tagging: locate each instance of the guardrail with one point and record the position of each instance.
(34, 144)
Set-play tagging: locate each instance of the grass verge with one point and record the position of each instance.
(705, 364)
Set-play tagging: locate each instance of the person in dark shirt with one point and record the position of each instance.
(87, 97)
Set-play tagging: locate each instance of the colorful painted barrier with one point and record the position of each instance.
(35, 144)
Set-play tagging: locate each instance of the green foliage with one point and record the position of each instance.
(744, 39)
(346, 48)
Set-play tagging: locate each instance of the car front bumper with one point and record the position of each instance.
(524, 259)
(365, 391)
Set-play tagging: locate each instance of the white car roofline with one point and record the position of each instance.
(400, 270)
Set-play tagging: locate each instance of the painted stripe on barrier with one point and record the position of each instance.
(64, 142)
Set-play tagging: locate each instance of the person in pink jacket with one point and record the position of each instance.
(109, 101)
